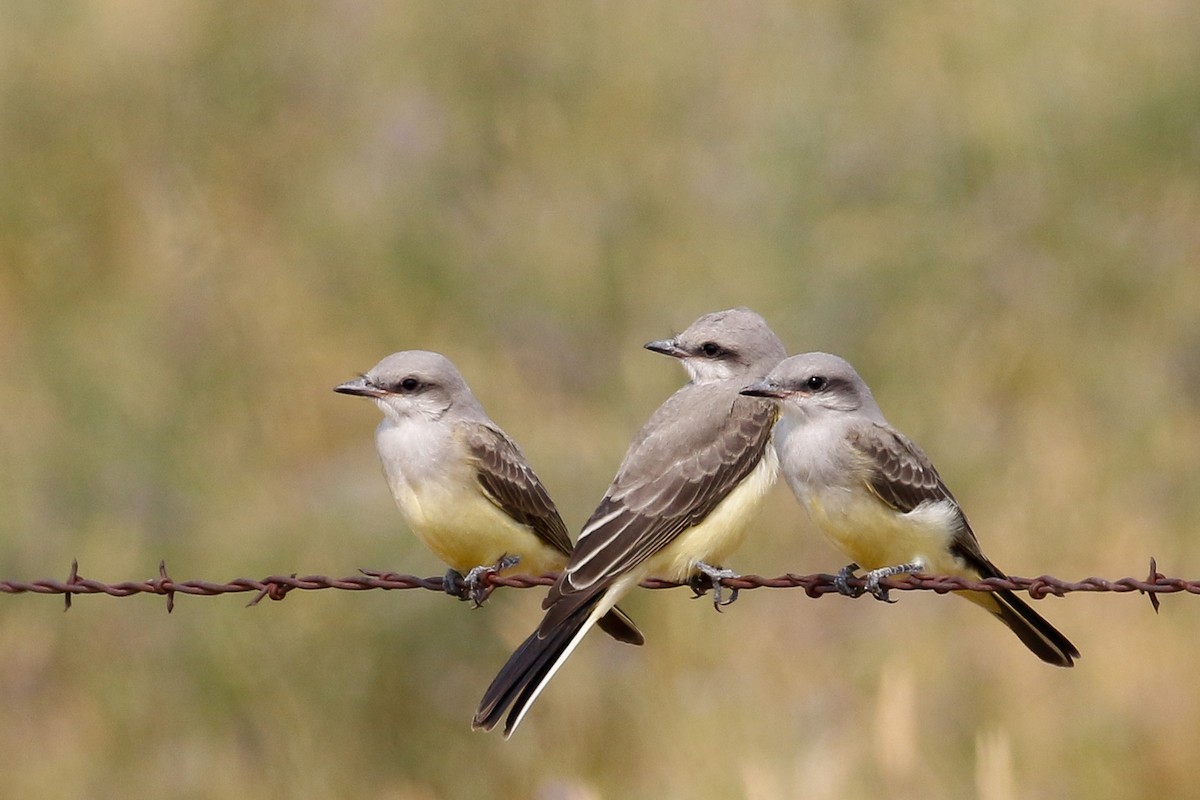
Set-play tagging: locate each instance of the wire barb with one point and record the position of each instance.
(164, 586)
(72, 580)
(277, 587)
(1155, 575)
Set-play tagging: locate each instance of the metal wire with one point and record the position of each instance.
(276, 587)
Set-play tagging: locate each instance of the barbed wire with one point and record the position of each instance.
(276, 587)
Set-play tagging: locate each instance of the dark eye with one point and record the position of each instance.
(711, 349)
(409, 384)
(816, 383)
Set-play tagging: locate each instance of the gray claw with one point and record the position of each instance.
(878, 592)
(473, 586)
(714, 575)
(876, 575)
(842, 581)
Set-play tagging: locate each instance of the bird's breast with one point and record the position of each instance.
(435, 486)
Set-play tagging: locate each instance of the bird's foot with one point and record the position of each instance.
(842, 581)
(473, 583)
(712, 576)
(876, 575)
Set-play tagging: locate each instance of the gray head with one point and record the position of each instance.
(816, 384)
(724, 344)
(415, 383)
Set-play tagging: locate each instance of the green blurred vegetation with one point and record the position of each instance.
(211, 213)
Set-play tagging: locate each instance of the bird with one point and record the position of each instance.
(689, 483)
(876, 495)
(461, 484)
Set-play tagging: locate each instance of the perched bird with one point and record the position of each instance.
(876, 495)
(679, 503)
(464, 487)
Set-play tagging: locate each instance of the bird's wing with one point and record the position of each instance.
(511, 484)
(903, 477)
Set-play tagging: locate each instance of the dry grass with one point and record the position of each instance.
(212, 213)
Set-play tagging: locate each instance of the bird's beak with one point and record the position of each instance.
(667, 347)
(359, 386)
(765, 389)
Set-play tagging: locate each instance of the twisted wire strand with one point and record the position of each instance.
(276, 587)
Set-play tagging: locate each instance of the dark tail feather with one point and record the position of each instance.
(1035, 632)
(529, 667)
(617, 624)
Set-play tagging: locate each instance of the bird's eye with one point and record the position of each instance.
(711, 349)
(409, 384)
(816, 383)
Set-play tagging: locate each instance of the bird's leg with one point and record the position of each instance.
(714, 576)
(875, 575)
(841, 582)
(472, 588)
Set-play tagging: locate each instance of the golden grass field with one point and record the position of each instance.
(212, 213)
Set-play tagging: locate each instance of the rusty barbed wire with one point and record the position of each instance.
(276, 587)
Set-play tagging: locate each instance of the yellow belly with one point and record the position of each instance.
(874, 535)
(464, 529)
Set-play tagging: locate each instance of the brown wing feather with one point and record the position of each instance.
(903, 477)
(511, 484)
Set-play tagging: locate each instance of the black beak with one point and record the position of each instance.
(361, 387)
(667, 347)
(764, 389)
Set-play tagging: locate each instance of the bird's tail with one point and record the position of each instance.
(534, 663)
(1046, 642)
(617, 624)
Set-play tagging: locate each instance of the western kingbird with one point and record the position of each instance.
(464, 487)
(680, 501)
(876, 495)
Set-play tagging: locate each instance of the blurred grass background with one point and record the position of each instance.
(211, 213)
